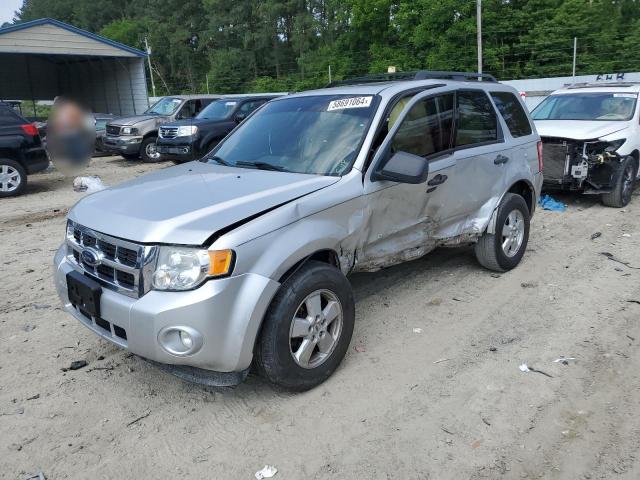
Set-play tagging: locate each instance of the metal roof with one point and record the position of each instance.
(72, 29)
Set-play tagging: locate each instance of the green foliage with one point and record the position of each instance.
(288, 45)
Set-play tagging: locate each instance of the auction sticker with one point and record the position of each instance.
(353, 102)
(625, 95)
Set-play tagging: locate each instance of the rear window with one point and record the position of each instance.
(514, 115)
(8, 116)
(477, 121)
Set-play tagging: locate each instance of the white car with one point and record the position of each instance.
(591, 140)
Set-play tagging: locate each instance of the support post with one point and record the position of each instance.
(479, 32)
(575, 51)
(148, 50)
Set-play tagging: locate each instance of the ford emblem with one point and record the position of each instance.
(90, 257)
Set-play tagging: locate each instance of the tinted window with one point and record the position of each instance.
(427, 127)
(477, 121)
(511, 110)
(7, 116)
(249, 107)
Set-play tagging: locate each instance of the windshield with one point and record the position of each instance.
(218, 110)
(165, 106)
(587, 106)
(316, 135)
(101, 123)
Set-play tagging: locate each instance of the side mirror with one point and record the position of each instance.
(403, 167)
(240, 117)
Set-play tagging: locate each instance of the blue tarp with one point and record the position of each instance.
(549, 203)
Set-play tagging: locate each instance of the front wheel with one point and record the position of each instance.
(620, 196)
(307, 328)
(503, 250)
(13, 178)
(149, 150)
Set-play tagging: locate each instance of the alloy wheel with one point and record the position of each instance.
(9, 178)
(513, 233)
(315, 329)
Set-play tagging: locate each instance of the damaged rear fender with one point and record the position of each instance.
(526, 190)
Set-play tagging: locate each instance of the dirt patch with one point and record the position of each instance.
(431, 388)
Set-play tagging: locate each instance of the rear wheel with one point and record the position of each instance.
(503, 250)
(149, 150)
(620, 196)
(13, 178)
(307, 329)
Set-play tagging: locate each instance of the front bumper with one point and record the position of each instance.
(179, 148)
(122, 144)
(227, 313)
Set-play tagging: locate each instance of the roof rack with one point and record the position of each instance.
(417, 75)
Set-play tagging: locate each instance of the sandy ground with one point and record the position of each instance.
(430, 389)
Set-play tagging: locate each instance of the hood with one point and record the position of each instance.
(129, 121)
(578, 129)
(196, 121)
(188, 203)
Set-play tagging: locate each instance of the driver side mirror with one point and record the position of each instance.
(240, 117)
(403, 167)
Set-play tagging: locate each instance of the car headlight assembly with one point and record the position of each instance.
(184, 268)
(129, 131)
(187, 130)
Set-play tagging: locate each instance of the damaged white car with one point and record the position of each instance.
(591, 139)
(241, 258)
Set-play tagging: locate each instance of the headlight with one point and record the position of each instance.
(184, 268)
(129, 131)
(187, 130)
(616, 144)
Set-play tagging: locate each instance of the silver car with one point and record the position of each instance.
(240, 259)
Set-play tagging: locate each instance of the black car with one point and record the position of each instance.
(101, 120)
(190, 139)
(21, 151)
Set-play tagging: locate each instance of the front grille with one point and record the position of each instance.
(123, 266)
(113, 130)
(105, 328)
(168, 132)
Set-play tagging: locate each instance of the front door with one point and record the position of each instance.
(403, 217)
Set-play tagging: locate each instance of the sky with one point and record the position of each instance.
(7, 7)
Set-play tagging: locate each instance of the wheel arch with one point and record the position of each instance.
(525, 189)
(326, 255)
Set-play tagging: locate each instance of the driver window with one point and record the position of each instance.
(426, 129)
(188, 110)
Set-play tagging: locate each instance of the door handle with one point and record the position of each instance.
(437, 180)
(500, 159)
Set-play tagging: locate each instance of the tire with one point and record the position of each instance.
(13, 178)
(130, 156)
(279, 339)
(148, 150)
(621, 194)
(490, 251)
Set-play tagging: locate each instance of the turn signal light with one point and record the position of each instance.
(220, 262)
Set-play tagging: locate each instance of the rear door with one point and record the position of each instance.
(480, 156)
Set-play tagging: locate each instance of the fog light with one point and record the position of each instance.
(180, 340)
(186, 339)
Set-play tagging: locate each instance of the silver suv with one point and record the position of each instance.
(241, 258)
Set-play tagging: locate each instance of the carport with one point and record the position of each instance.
(42, 59)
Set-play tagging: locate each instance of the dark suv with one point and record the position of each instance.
(189, 139)
(21, 151)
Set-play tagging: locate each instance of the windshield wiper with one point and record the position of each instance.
(262, 166)
(219, 160)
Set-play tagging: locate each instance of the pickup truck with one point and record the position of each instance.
(134, 137)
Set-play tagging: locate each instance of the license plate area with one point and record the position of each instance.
(84, 293)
